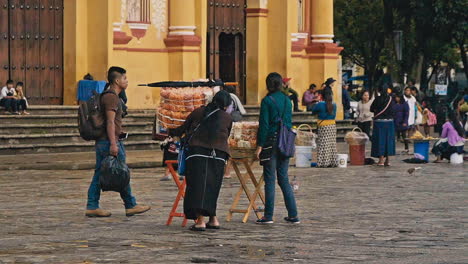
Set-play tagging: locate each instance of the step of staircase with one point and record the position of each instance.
(71, 109)
(64, 118)
(17, 129)
(85, 146)
(28, 139)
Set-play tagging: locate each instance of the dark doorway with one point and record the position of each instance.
(226, 43)
(231, 58)
(31, 47)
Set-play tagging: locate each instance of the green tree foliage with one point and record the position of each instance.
(431, 30)
(360, 29)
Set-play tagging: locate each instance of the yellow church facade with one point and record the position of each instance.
(170, 40)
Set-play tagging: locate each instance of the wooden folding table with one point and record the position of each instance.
(246, 158)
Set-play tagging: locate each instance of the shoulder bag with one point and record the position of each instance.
(286, 136)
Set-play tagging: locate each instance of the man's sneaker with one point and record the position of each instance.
(97, 213)
(264, 221)
(293, 220)
(138, 209)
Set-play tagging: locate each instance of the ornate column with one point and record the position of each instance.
(182, 24)
(182, 42)
(322, 51)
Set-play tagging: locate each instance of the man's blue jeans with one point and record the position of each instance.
(94, 191)
(278, 168)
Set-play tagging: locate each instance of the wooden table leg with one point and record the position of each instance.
(251, 196)
(180, 195)
(238, 194)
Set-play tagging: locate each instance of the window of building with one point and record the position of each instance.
(300, 15)
(139, 11)
(303, 12)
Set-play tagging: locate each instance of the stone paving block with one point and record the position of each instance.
(361, 214)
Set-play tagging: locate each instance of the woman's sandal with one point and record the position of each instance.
(197, 229)
(210, 226)
(380, 164)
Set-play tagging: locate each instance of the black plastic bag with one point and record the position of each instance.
(115, 175)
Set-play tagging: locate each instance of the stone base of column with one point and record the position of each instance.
(182, 41)
(327, 50)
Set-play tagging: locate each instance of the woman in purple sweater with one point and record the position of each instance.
(451, 140)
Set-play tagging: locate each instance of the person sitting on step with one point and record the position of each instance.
(7, 98)
(21, 101)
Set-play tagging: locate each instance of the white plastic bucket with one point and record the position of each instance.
(303, 156)
(456, 158)
(342, 160)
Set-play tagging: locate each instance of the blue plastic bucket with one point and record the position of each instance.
(422, 148)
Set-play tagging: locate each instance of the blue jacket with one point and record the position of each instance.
(320, 109)
(268, 124)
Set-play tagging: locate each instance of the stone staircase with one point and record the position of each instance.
(342, 126)
(53, 129)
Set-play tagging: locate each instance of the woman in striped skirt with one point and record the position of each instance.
(326, 141)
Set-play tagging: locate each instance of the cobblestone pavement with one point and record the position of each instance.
(362, 214)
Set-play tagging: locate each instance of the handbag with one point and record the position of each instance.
(184, 149)
(287, 136)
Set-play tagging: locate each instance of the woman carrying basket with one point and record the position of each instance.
(207, 130)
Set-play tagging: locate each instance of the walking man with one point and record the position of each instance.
(109, 144)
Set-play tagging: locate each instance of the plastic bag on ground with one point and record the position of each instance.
(115, 174)
(356, 138)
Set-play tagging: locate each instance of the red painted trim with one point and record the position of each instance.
(183, 50)
(298, 45)
(314, 56)
(155, 50)
(182, 41)
(299, 56)
(321, 48)
(121, 38)
(256, 10)
(138, 32)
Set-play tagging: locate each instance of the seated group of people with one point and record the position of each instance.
(13, 100)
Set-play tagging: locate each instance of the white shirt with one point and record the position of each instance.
(5, 92)
(363, 111)
(238, 103)
(412, 107)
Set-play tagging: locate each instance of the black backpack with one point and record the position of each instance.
(91, 119)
